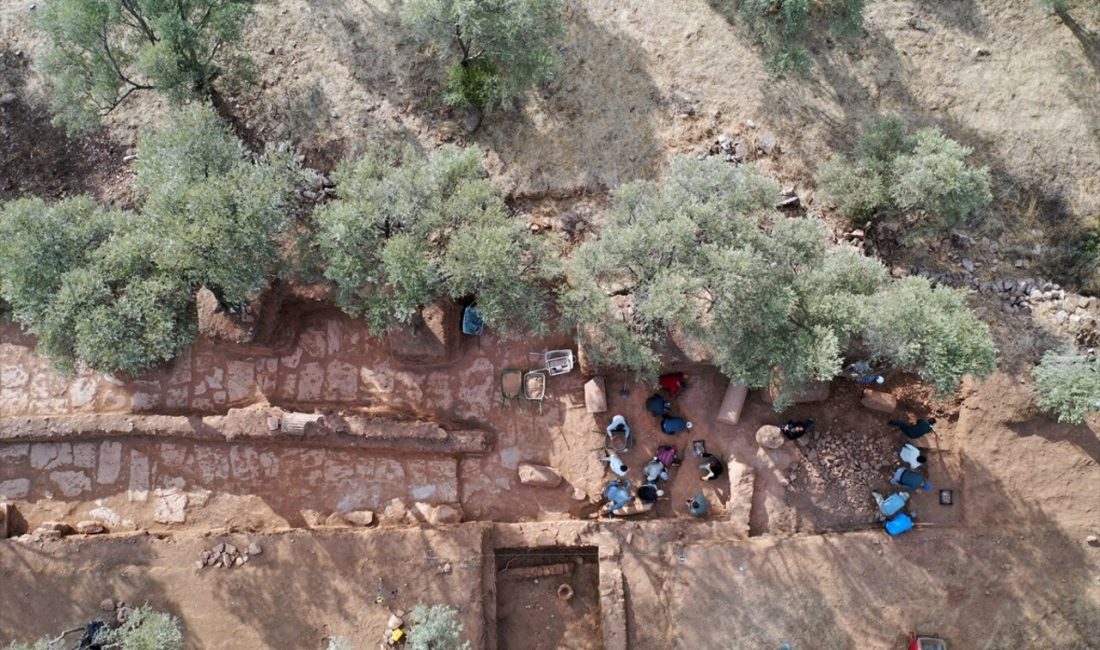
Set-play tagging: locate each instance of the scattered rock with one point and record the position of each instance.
(538, 475)
(107, 605)
(90, 527)
(766, 142)
(1092, 540)
(337, 520)
(360, 517)
(444, 514)
(394, 622)
(471, 120)
(313, 518)
(394, 513)
(7, 99)
(579, 494)
(255, 549)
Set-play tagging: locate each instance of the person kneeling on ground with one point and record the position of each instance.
(908, 478)
(794, 430)
(673, 383)
(712, 466)
(618, 425)
(697, 505)
(914, 431)
(654, 470)
(912, 456)
(649, 493)
(618, 493)
(657, 405)
(616, 464)
(673, 424)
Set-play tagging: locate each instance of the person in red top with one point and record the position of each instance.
(672, 383)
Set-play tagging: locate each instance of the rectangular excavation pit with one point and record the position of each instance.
(548, 598)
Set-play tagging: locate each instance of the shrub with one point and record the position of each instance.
(504, 46)
(435, 628)
(780, 26)
(935, 178)
(146, 629)
(892, 172)
(408, 229)
(100, 52)
(1068, 385)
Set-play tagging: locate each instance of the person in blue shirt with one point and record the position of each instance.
(673, 424)
(657, 405)
(910, 479)
(697, 505)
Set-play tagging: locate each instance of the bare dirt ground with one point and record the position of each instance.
(1007, 566)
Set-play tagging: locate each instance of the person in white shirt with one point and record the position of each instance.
(912, 456)
(615, 464)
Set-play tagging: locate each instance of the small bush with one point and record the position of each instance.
(935, 178)
(146, 629)
(892, 172)
(1068, 385)
(781, 26)
(435, 628)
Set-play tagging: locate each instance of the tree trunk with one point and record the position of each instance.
(1090, 42)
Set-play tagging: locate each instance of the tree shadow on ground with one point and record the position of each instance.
(560, 139)
(39, 159)
(37, 602)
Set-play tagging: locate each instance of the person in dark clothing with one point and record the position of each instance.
(649, 493)
(914, 431)
(672, 424)
(657, 405)
(794, 430)
(910, 479)
(712, 467)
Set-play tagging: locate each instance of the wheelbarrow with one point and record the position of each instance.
(534, 387)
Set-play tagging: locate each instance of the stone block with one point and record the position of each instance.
(595, 395)
(879, 401)
(538, 475)
(733, 402)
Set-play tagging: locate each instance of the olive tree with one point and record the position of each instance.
(502, 46)
(115, 290)
(930, 331)
(894, 172)
(102, 51)
(435, 628)
(704, 262)
(39, 242)
(219, 211)
(120, 312)
(407, 229)
(1068, 385)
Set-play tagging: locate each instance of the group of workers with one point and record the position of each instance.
(656, 470)
(910, 476)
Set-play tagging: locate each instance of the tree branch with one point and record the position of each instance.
(128, 5)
